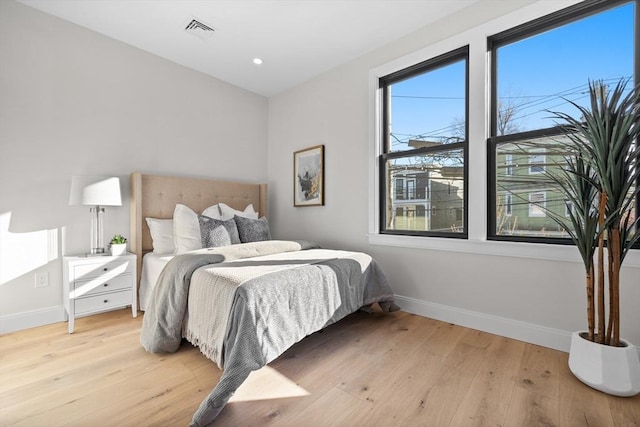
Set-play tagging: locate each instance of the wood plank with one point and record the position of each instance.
(536, 396)
(440, 400)
(399, 395)
(342, 404)
(625, 411)
(488, 398)
(579, 404)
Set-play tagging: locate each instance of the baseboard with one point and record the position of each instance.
(528, 332)
(523, 331)
(31, 319)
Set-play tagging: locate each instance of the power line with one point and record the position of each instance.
(536, 100)
(427, 97)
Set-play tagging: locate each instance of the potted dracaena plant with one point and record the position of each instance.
(599, 181)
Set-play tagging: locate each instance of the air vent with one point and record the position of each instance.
(199, 29)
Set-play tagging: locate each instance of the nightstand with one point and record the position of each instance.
(93, 284)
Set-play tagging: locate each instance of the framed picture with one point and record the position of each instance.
(308, 176)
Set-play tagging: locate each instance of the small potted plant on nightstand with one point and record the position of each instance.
(118, 245)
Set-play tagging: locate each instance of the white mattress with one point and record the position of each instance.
(152, 265)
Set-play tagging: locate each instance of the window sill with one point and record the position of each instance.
(540, 251)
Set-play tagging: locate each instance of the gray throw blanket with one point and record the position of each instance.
(162, 326)
(269, 313)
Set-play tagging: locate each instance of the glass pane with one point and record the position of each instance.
(524, 189)
(426, 192)
(428, 109)
(541, 73)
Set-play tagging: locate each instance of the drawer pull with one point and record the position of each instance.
(105, 285)
(106, 301)
(105, 269)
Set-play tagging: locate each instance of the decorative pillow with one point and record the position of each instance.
(216, 232)
(228, 212)
(186, 229)
(213, 212)
(161, 235)
(252, 230)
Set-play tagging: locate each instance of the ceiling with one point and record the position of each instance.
(296, 39)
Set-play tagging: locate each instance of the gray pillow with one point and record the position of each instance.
(252, 230)
(216, 232)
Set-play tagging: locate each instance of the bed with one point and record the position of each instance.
(245, 301)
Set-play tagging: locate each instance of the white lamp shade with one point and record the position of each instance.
(95, 191)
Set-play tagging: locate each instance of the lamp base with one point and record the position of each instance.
(97, 231)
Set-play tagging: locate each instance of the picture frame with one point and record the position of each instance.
(308, 177)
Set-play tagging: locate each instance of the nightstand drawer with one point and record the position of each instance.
(101, 285)
(91, 270)
(104, 301)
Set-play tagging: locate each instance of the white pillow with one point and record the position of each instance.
(161, 235)
(212, 212)
(228, 212)
(186, 227)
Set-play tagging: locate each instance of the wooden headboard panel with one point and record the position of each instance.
(155, 196)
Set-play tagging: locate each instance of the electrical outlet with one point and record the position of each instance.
(42, 279)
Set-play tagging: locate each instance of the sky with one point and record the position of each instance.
(534, 75)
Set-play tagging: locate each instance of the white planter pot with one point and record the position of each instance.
(118, 249)
(613, 370)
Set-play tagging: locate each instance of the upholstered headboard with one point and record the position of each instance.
(155, 196)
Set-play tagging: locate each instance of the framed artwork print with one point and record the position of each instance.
(308, 176)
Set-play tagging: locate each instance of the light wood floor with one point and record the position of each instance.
(368, 370)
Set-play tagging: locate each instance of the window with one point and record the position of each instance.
(508, 204)
(508, 164)
(537, 203)
(405, 188)
(411, 188)
(424, 152)
(541, 67)
(568, 208)
(399, 188)
(536, 163)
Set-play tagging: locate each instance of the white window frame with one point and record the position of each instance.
(536, 211)
(537, 164)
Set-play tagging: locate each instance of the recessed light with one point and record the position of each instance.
(257, 61)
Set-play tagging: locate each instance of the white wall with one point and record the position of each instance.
(529, 292)
(73, 102)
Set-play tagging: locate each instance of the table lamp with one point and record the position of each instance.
(96, 191)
